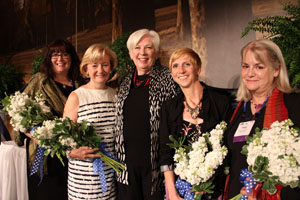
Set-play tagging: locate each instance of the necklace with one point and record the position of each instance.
(194, 111)
(258, 106)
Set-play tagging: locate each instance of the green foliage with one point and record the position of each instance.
(178, 144)
(264, 158)
(237, 197)
(203, 188)
(125, 64)
(285, 32)
(24, 111)
(11, 79)
(36, 64)
(82, 134)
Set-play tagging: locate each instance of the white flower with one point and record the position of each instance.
(67, 141)
(280, 145)
(20, 109)
(199, 164)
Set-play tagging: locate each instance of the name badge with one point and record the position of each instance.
(243, 131)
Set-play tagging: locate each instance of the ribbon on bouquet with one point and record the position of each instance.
(184, 189)
(38, 160)
(98, 166)
(102, 147)
(249, 184)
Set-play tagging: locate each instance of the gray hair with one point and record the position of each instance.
(136, 36)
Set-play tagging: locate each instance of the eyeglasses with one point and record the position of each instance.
(63, 56)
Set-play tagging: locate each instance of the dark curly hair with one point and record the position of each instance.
(61, 46)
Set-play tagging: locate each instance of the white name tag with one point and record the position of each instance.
(243, 131)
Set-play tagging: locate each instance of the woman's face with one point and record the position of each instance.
(184, 72)
(144, 55)
(258, 77)
(99, 71)
(61, 62)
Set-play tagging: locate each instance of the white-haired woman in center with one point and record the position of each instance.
(139, 99)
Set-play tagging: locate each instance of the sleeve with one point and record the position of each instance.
(34, 85)
(165, 152)
(292, 103)
(227, 110)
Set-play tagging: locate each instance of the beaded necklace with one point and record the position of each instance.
(194, 111)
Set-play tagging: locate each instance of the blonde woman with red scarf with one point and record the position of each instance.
(264, 96)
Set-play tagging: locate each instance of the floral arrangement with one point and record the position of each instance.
(198, 163)
(273, 156)
(26, 112)
(59, 135)
(54, 136)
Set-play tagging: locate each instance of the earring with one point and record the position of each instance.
(87, 73)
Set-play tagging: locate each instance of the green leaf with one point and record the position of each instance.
(11, 79)
(236, 197)
(60, 158)
(198, 196)
(125, 64)
(36, 63)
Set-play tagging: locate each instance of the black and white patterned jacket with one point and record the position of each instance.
(161, 88)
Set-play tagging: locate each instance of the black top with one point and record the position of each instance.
(238, 160)
(191, 131)
(136, 127)
(65, 89)
(215, 108)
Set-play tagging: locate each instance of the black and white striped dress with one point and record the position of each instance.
(98, 108)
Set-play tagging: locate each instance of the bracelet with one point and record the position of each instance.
(165, 168)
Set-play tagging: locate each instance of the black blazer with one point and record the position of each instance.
(216, 107)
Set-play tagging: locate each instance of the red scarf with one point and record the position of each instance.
(275, 109)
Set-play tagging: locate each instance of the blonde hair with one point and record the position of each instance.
(195, 59)
(93, 54)
(266, 49)
(136, 36)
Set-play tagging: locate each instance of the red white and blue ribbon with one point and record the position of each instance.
(184, 189)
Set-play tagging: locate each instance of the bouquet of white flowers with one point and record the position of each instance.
(59, 135)
(26, 112)
(273, 156)
(197, 164)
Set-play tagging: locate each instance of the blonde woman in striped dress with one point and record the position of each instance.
(94, 102)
